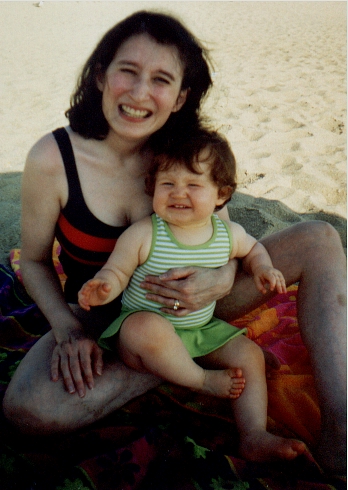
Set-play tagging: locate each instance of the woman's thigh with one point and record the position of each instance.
(298, 251)
(36, 404)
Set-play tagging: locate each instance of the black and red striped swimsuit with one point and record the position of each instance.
(86, 242)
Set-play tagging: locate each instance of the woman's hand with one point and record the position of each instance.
(77, 357)
(191, 287)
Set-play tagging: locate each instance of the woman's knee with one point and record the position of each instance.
(31, 400)
(321, 246)
(30, 412)
(315, 238)
(303, 237)
(304, 247)
(320, 233)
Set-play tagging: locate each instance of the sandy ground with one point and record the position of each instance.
(279, 97)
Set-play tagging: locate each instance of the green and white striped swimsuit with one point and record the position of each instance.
(168, 253)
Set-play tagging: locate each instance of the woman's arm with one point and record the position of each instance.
(193, 287)
(44, 192)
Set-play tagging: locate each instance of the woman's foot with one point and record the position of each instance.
(261, 446)
(227, 383)
(331, 450)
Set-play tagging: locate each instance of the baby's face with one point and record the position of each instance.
(184, 198)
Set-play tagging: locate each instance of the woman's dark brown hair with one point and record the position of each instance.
(85, 114)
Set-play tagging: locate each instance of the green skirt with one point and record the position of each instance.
(199, 341)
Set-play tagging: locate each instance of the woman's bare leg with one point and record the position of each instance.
(312, 254)
(147, 342)
(250, 408)
(307, 252)
(37, 405)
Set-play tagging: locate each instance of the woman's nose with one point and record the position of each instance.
(140, 90)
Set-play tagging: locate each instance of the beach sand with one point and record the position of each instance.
(279, 97)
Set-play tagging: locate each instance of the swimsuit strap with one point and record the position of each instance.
(64, 144)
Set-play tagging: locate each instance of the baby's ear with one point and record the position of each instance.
(225, 193)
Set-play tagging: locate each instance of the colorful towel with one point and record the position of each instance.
(170, 438)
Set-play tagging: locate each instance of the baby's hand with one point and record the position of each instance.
(94, 292)
(268, 276)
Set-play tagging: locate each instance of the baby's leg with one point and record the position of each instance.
(148, 342)
(250, 409)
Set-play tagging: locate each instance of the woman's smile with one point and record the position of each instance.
(134, 113)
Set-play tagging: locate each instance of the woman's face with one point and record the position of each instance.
(141, 88)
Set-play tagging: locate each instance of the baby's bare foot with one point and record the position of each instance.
(227, 383)
(261, 446)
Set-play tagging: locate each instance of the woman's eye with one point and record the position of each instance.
(127, 70)
(162, 80)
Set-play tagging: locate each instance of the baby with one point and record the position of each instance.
(190, 186)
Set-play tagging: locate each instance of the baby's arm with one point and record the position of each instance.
(256, 261)
(259, 263)
(131, 250)
(100, 290)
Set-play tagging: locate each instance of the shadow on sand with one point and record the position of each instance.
(260, 217)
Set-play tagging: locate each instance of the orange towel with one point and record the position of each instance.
(292, 402)
(292, 407)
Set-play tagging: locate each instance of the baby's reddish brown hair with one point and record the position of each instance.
(200, 146)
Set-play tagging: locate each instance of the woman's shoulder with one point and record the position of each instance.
(44, 155)
(44, 172)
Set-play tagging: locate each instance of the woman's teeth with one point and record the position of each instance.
(129, 111)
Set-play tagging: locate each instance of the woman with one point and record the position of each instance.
(143, 85)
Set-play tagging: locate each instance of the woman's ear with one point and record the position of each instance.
(180, 101)
(99, 79)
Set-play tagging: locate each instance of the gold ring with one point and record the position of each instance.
(176, 305)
